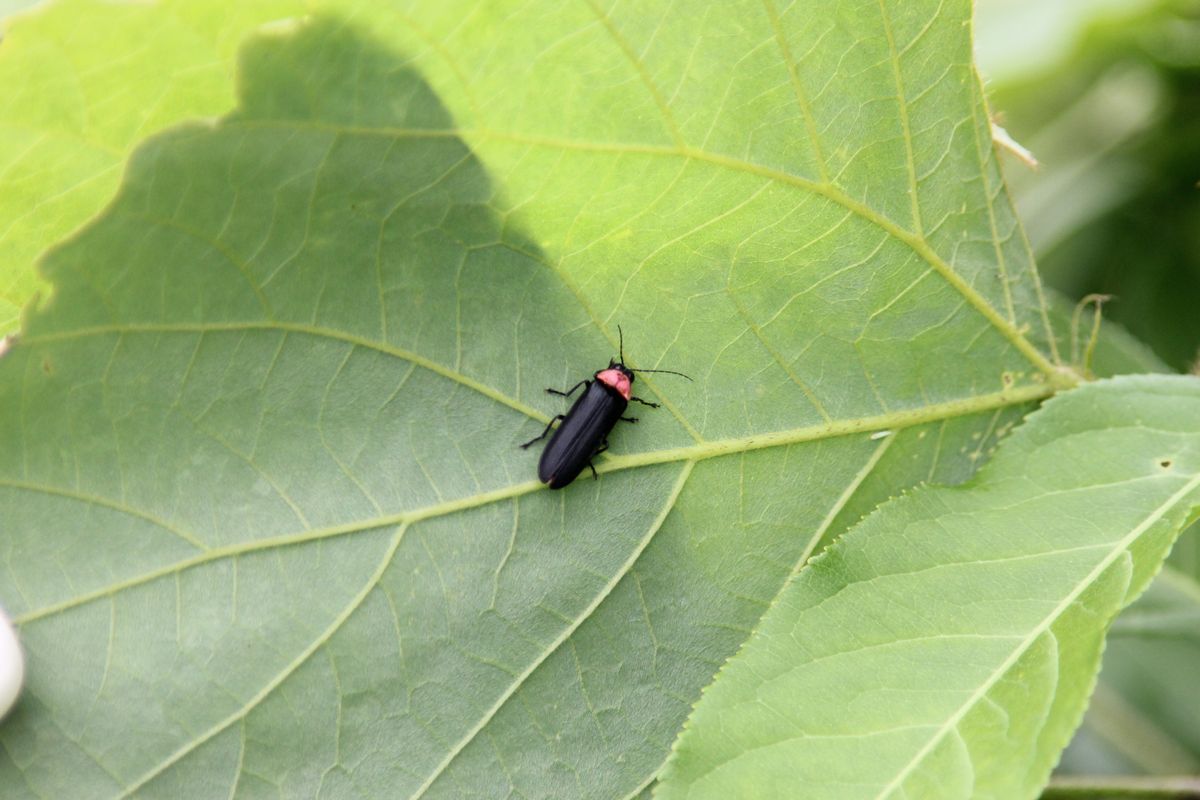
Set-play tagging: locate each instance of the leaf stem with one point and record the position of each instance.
(1106, 787)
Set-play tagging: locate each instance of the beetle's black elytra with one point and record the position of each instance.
(584, 431)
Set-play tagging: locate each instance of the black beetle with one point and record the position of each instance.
(585, 427)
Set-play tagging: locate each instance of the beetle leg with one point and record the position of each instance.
(543, 435)
(603, 446)
(568, 392)
(629, 419)
(643, 402)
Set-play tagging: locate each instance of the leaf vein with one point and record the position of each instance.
(640, 67)
(239, 715)
(895, 420)
(563, 637)
(106, 503)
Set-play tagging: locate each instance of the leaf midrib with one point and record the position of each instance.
(892, 422)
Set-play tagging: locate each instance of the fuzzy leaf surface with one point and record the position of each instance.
(267, 528)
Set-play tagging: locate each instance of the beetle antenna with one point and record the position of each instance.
(621, 339)
(668, 371)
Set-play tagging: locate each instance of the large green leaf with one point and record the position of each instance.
(267, 529)
(84, 82)
(946, 646)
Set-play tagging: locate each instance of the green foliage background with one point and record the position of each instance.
(1112, 114)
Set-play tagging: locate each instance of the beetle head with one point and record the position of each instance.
(617, 377)
(620, 367)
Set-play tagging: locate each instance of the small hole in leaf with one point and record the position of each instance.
(1165, 463)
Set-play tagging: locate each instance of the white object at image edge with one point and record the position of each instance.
(12, 665)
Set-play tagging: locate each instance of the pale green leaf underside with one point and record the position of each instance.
(85, 81)
(946, 646)
(266, 525)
